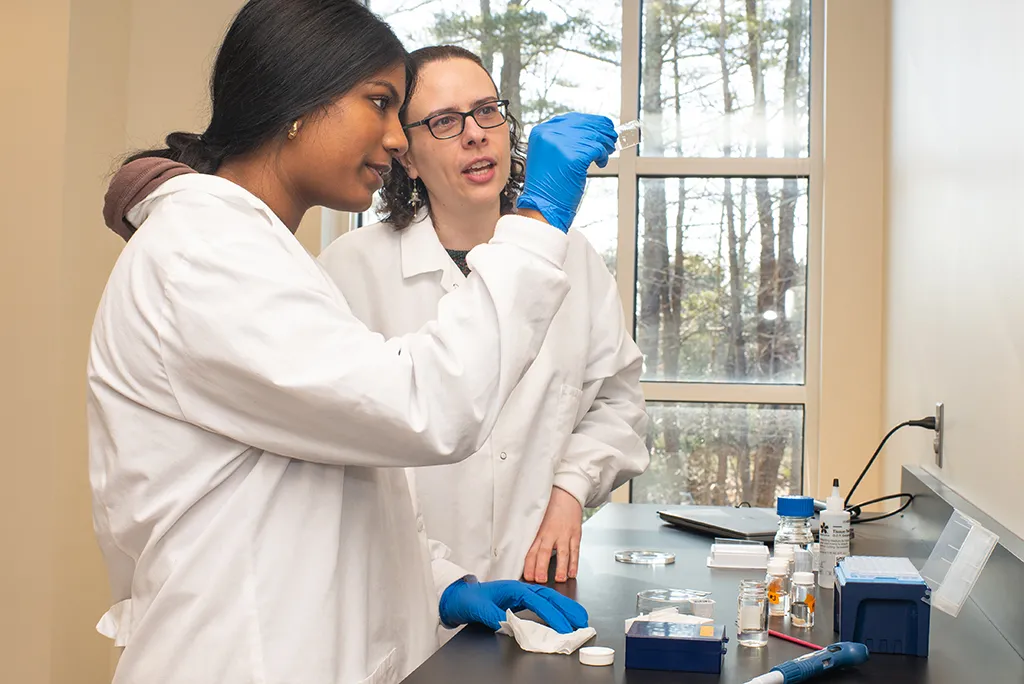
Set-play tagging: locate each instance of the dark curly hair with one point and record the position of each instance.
(395, 196)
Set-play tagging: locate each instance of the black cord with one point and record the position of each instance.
(855, 510)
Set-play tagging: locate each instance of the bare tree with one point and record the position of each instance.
(654, 283)
(486, 48)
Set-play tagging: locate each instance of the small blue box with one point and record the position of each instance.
(882, 609)
(679, 647)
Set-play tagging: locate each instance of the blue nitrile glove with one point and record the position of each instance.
(486, 602)
(560, 152)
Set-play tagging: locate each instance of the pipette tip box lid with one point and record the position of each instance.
(956, 562)
(675, 647)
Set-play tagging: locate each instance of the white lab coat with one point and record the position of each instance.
(237, 415)
(577, 419)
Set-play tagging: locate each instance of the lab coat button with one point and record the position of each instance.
(503, 455)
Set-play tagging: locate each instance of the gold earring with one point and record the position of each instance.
(294, 130)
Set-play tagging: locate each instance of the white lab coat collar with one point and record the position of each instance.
(422, 252)
(213, 185)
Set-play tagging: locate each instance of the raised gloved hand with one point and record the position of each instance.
(465, 601)
(560, 152)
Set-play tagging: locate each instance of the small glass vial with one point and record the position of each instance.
(752, 614)
(778, 587)
(802, 598)
(787, 551)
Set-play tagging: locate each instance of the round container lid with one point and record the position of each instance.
(803, 577)
(795, 506)
(778, 566)
(639, 557)
(597, 655)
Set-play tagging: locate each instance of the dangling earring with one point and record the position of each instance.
(414, 196)
(294, 130)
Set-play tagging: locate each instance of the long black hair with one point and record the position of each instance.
(396, 195)
(280, 61)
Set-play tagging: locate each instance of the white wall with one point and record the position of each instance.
(955, 258)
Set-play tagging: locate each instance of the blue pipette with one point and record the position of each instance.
(843, 654)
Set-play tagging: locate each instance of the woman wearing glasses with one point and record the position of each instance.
(574, 428)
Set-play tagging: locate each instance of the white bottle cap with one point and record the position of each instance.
(778, 566)
(803, 577)
(597, 655)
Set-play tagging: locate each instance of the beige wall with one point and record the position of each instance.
(31, 179)
(956, 243)
(90, 79)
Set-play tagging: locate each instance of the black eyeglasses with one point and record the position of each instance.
(451, 124)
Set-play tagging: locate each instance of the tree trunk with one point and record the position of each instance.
(486, 44)
(786, 352)
(512, 62)
(769, 452)
(767, 286)
(673, 315)
(736, 361)
(654, 257)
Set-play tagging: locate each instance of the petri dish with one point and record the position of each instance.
(683, 600)
(644, 557)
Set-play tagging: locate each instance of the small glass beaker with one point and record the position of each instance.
(650, 600)
(752, 614)
(802, 598)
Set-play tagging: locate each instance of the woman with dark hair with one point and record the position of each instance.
(575, 426)
(239, 415)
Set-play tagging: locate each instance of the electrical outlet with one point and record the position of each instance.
(940, 425)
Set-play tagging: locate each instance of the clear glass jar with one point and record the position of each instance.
(752, 614)
(797, 531)
(796, 521)
(778, 586)
(802, 598)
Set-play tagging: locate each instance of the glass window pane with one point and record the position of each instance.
(598, 217)
(721, 279)
(722, 454)
(729, 84)
(547, 56)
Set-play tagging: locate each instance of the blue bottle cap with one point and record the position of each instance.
(795, 506)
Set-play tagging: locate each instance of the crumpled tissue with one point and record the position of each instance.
(668, 615)
(537, 637)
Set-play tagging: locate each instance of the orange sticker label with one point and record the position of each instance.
(707, 630)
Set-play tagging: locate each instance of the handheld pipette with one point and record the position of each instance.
(843, 654)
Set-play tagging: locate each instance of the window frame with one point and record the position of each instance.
(630, 167)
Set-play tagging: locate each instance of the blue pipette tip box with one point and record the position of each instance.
(881, 602)
(675, 646)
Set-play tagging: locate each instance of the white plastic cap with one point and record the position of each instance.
(597, 655)
(778, 566)
(803, 577)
